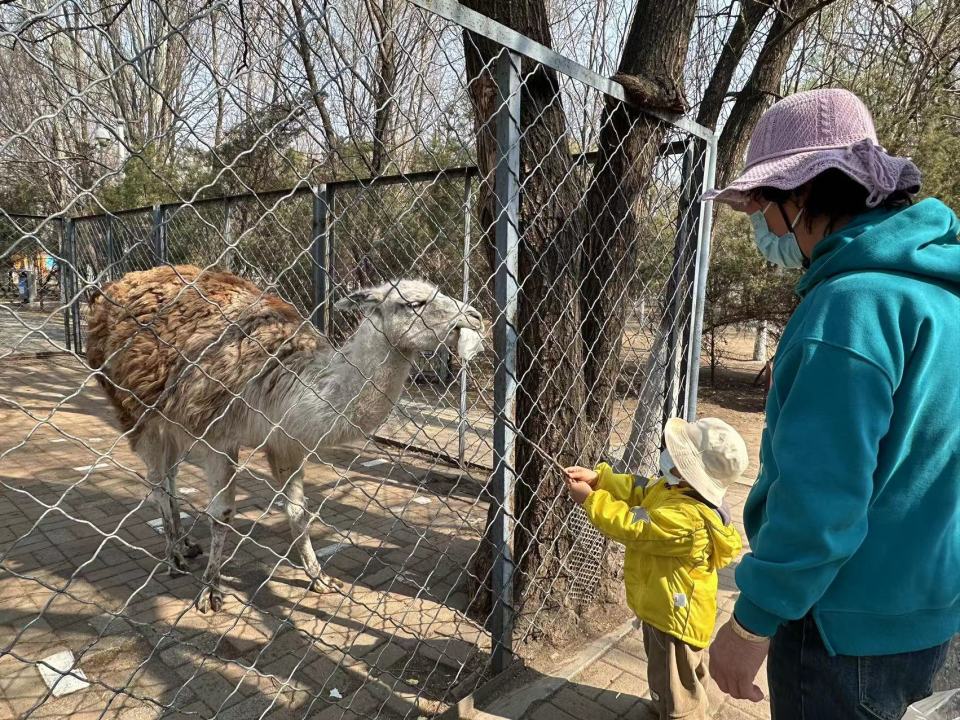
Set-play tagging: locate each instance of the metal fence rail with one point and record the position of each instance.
(410, 524)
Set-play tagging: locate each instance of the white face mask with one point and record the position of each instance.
(666, 466)
(781, 250)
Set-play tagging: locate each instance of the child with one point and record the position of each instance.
(677, 536)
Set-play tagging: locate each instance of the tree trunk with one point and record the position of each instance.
(713, 357)
(549, 361)
(760, 344)
(554, 407)
(318, 97)
(751, 13)
(654, 50)
(763, 85)
(383, 18)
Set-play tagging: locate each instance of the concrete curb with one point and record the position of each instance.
(514, 704)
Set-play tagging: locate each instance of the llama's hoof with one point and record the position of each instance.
(325, 584)
(177, 565)
(210, 599)
(191, 549)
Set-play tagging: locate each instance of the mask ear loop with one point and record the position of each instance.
(791, 226)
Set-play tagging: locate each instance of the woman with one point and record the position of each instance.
(853, 579)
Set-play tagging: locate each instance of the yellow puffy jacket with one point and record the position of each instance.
(675, 545)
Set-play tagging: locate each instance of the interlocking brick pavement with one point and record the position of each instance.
(81, 570)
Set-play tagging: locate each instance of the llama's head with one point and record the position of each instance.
(413, 315)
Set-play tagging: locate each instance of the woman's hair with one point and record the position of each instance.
(834, 195)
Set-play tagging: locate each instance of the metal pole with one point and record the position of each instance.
(675, 290)
(159, 236)
(505, 343)
(700, 280)
(467, 217)
(331, 265)
(77, 303)
(690, 206)
(64, 290)
(73, 284)
(111, 251)
(229, 253)
(320, 252)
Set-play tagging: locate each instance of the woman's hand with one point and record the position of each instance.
(735, 662)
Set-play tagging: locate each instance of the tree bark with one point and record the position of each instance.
(751, 13)
(549, 361)
(318, 97)
(382, 16)
(654, 51)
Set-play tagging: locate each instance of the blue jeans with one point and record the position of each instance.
(807, 684)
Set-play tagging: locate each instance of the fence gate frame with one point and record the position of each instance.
(694, 225)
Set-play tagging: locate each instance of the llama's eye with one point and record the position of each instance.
(417, 304)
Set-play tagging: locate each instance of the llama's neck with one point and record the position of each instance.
(356, 389)
(376, 369)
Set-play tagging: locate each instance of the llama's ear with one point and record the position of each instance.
(357, 300)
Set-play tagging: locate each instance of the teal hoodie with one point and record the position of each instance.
(855, 516)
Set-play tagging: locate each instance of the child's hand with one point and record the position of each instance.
(580, 483)
(584, 475)
(579, 491)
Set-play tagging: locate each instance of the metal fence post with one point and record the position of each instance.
(680, 288)
(462, 409)
(111, 250)
(673, 292)
(700, 280)
(320, 250)
(71, 274)
(159, 235)
(64, 287)
(505, 344)
(229, 253)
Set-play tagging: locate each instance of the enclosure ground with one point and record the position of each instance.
(82, 572)
(29, 330)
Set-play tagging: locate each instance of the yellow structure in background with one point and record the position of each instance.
(40, 262)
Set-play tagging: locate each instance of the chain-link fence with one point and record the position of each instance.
(248, 466)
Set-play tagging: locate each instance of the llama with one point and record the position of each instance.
(184, 353)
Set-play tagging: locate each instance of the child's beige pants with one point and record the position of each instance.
(676, 673)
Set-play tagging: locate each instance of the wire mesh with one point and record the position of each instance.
(286, 411)
(32, 304)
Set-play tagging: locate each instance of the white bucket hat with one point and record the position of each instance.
(708, 453)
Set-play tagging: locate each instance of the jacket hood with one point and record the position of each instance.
(919, 240)
(724, 539)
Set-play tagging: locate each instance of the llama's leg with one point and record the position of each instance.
(186, 546)
(161, 474)
(289, 474)
(221, 471)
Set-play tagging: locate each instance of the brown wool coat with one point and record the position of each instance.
(186, 343)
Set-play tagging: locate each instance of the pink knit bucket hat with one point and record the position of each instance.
(809, 132)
